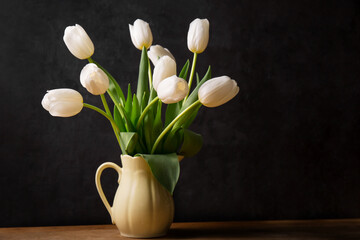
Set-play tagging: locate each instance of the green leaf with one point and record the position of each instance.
(172, 110)
(158, 125)
(119, 120)
(192, 143)
(128, 140)
(186, 117)
(153, 95)
(128, 104)
(184, 70)
(126, 117)
(135, 112)
(192, 117)
(197, 79)
(148, 124)
(194, 95)
(165, 168)
(172, 141)
(143, 84)
(144, 102)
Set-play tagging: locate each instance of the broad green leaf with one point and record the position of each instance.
(119, 120)
(165, 168)
(158, 125)
(148, 124)
(184, 70)
(194, 95)
(172, 110)
(172, 141)
(188, 122)
(153, 95)
(144, 102)
(143, 80)
(192, 143)
(126, 117)
(135, 112)
(128, 140)
(114, 87)
(186, 117)
(197, 79)
(128, 104)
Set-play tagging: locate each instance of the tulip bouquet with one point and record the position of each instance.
(137, 119)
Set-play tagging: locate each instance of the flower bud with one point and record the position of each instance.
(198, 35)
(172, 89)
(62, 102)
(156, 52)
(94, 79)
(164, 68)
(78, 42)
(217, 91)
(140, 34)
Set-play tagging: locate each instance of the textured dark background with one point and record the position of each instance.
(287, 147)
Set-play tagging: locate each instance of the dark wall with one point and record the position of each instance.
(287, 147)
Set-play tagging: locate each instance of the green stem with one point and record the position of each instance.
(191, 74)
(101, 112)
(168, 128)
(143, 114)
(90, 60)
(113, 124)
(150, 75)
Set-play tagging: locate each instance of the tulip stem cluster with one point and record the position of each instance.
(140, 123)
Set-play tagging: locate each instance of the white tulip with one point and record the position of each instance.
(94, 79)
(140, 34)
(172, 89)
(198, 35)
(78, 42)
(156, 52)
(164, 68)
(62, 102)
(217, 91)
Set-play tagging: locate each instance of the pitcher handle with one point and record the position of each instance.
(99, 171)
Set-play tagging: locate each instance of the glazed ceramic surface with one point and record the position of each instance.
(142, 208)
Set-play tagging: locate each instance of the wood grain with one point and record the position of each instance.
(299, 229)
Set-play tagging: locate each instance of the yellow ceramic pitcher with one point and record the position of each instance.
(142, 207)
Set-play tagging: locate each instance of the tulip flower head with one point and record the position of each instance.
(140, 34)
(62, 102)
(172, 89)
(94, 79)
(198, 35)
(217, 91)
(164, 68)
(156, 52)
(78, 42)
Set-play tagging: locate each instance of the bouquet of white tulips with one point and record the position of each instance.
(136, 119)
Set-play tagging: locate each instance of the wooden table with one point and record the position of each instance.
(303, 229)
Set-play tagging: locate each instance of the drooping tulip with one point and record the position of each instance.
(78, 42)
(172, 89)
(217, 91)
(198, 35)
(94, 79)
(164, 68)
(156, 52)
(62, 102)
(140, 34)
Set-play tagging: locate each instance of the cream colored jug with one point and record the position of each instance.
(142, 207)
